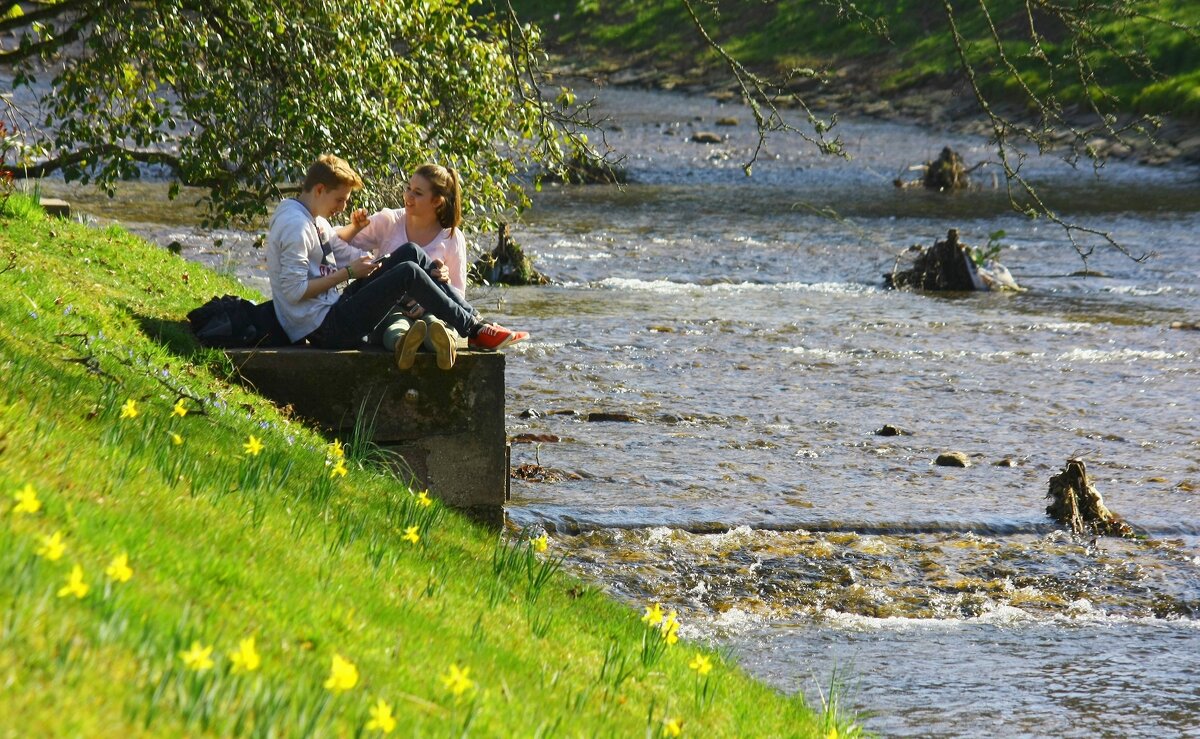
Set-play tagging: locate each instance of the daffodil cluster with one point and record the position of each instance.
(200, 657)
(52, 547)
(667, 624)
(335, 458)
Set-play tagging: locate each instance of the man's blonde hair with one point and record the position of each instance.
(331, 171)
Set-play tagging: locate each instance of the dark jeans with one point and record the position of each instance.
(364, 303)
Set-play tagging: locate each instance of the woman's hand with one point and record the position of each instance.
(439, 271)
(358, 221)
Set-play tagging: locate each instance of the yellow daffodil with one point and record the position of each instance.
(381, 717)
(343, 675)
(701, 664)
(653, 615)
(246, 658)
(119, 569)
(130, 409)
(180, 408)
(673, 727)
(458, 681)
(27, 500)
(198, 657)
(339, 470)
(670, 628)
(52, 547)
(176, 439)
(832, 733)
(541, 544)
(253, 446)
(75, 585)
(424, 499)
(410, 534)
(335, 450)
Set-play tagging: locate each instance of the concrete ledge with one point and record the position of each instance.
(448, 426)
(55, 207)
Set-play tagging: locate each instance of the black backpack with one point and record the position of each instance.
(229, 322)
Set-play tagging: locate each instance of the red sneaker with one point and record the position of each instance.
(493, 336)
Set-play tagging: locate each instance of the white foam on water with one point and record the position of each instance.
(1080, 612)
(735, 537)
(595, 256)
(674, 287)
(1004, 615)
(658, 535)
(1118, 355)
(825, 354)
(656, 286)
(736, 621)
(1136, 290)
(839, 288)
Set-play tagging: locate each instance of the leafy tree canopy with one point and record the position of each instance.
(239, 95)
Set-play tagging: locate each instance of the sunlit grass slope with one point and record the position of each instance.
(179, 557)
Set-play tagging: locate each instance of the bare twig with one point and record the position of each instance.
(763, 97)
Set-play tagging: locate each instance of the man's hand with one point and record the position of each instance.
(363, 266)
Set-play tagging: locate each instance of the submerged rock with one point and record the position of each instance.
(534, 439)
(1076, 504)
(952, 459)
(603, 417)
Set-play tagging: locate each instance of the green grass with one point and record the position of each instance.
(894, 45)
(225, 544)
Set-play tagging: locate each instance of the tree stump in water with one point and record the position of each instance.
(1076, 504)
(506, 264)
(947, 265)
(947, 172)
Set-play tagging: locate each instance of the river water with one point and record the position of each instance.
(741, 326)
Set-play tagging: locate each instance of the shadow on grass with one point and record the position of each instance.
(175, 335)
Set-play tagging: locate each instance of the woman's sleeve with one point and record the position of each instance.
(456, 261)
(374, 237)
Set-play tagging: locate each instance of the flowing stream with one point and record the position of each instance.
(740, 327)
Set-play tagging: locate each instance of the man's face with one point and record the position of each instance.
(329, 202)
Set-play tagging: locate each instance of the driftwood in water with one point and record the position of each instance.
(506, 264)
(583, 170)
(1076, 504)
(947, 172)
(947, 265)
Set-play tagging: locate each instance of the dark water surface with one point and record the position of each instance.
(742, 323)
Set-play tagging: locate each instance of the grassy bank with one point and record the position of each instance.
(180, 557)
(889, 46)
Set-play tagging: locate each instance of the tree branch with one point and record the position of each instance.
(755, 93)
(1000, 131)
(47, 10)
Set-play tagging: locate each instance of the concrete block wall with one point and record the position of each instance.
(447, 425)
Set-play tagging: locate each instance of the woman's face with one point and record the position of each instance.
(419, 198)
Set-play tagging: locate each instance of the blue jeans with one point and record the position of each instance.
(366, 302)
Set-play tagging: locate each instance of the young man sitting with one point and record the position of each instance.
(303, 251)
